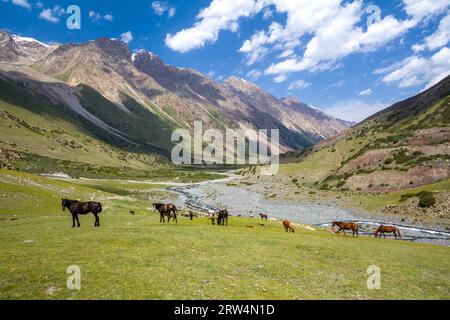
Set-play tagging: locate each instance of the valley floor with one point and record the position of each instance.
(136, 257)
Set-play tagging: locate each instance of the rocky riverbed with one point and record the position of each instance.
(239, 200)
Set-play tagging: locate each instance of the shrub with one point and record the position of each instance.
(388, 161)
(427, 199)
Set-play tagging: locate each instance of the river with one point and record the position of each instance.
(212, 195)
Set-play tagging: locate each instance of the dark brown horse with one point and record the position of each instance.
(264, 216)
(76, 207)
(288, 227)
(347, 226)
(166, 210)
(382, 230)
(222, 218)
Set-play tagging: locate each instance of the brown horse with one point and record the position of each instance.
(382, 230)
(288, 227)
(76, 207)
(263, 216)
(222, 217)
(166, 210)
(347, 226)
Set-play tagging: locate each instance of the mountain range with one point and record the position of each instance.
(134, 101)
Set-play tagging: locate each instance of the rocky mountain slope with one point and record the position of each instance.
(136, 100)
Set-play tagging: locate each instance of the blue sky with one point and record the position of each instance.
(349, 58)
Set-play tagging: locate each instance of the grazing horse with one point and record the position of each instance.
(347, 226)
(288, 227)
(132, 212)
(382, 230)
(76, 207)
(222, 218)
(263, 216)
(166, 209)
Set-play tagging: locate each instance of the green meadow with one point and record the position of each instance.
(136, 257)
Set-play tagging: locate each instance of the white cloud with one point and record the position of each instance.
(280, 78)
(52, 15)
(438, 39)
(424, 9)
(367, 92)
(418, 70)
(39, 5)
(220, 15)
(254, 74)
(21, 3)
(336, 32)
(126, 37)
(161, 7)
(299, 84)
(95, 16)
(355, 110)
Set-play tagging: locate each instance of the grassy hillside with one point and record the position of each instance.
(136, 257)
(403, 149)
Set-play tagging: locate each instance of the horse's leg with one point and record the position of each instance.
(175, 215)
(73, 220)
(78, 220)
(97, 220)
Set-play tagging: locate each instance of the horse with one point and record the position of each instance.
(347, 226)
(382, 230)
(263, 216)
(191, 215)
(288, 227)
(132, 212)
(166, 209)
(76, 207)
(222, 218)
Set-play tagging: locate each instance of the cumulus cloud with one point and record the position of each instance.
(220, 15)
(418, 70)
(299, 84)
(438, 39)
(355, 110)
(52, 15)
(367, 92)
(161, 7)
(424, 9)
(337, 34)
(126, 37)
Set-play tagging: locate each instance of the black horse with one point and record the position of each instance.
(76, 207)
(222, 218)
(166, 209)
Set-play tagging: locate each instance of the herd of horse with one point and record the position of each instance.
(170, 211)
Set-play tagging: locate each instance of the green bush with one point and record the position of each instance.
(427, 199)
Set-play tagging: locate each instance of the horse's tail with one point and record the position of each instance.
(100, 208)
(399, 234)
